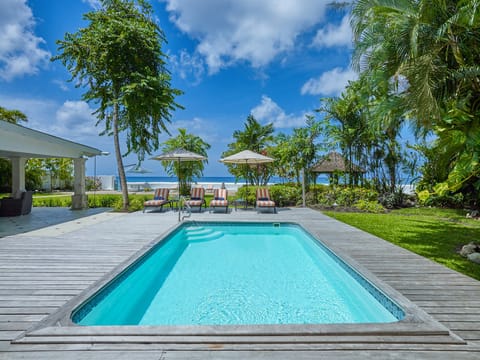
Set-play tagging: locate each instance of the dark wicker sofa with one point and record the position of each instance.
(16, 206)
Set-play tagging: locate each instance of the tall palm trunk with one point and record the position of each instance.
(118, 155)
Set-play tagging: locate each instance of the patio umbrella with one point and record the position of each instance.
(247, 157)
(179, 155)
(137, 169)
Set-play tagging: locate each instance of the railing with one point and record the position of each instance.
(187, 208)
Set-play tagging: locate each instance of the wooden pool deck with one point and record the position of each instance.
(42, 271)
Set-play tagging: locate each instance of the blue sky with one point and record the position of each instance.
(273, 59)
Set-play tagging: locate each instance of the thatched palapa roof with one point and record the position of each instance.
(334, 162)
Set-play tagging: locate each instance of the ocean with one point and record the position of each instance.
(139, 183)
(206, 179)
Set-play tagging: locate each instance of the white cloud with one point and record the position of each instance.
(69, 121)
(40, 112)
(61, 84)
(232, 31)
(268, 111)
(72, 120)
(75, 117)
(334, 36)
(20, 51)
(205, 129)
(188, 67)
(332, 82)
(96, 4)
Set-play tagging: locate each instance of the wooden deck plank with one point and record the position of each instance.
(428, 341)
(21, 317)
(212, 354)
(40, 274)
(18, 310)
(9, 335)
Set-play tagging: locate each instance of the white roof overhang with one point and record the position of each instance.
(19, 141)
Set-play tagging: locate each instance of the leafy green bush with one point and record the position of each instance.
(349, 196)
(99, 200)
(103, 200)
(93, 183)
(242, 193)
(52, 201)
(283, 195)
(135, 204)
(454, 201)
(369, 206)
(118, 206)
(345, 196)
(392, 200)
(286, 195)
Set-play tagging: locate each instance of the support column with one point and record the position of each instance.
(18, 174)
(79, 197)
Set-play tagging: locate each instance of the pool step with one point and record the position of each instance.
(205, 236)
(197, 230)
(152, 338)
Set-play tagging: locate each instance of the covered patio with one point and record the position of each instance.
(20, 143)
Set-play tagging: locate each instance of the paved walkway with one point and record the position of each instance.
(42, 271)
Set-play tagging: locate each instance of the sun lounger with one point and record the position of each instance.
(197, 198)
(160, 198)
(220, 199)
(264, 201)
(209, 189)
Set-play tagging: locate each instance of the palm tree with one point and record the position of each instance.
(186, 172)
(257, 138)
(345, 127)
(434, 46)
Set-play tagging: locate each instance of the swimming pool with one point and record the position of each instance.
(238, 274)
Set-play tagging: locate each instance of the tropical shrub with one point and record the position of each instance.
(392, 200)
(52, 201)
(248, 193)
(286, 195)
(448, 200)
(93, 183)
(345, 196)
(103, 200)
(136, 204)
(369, 206)
(99, 200)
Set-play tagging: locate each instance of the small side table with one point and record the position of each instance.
(240, 202)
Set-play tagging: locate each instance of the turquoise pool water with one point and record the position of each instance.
(237, 273)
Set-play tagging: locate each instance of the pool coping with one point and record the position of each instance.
(416, 322)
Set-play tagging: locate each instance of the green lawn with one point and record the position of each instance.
(433, 233)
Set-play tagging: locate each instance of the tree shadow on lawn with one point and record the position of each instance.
(441, 242)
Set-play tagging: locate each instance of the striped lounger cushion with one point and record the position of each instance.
(263, 198)
(219, 198)
(265, 203)
(197, 197)
(160, 198)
